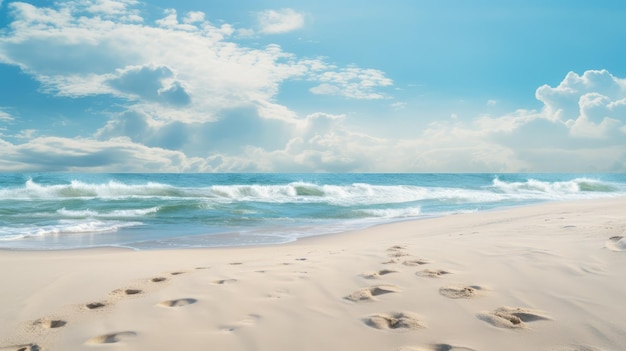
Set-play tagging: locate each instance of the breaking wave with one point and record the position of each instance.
(139, 208)
(65, 227)
(357, 193)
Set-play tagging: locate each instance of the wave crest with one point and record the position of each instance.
(546, 189)
(129, 213)
(66, 227)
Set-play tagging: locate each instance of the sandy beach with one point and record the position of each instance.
(543, 277)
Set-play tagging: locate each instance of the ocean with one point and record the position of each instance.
(43, 211)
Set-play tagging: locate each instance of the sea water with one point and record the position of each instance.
(149, 211)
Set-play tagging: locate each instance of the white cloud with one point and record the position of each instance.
(5, 116)
(279, 21)
(399, 105)
(594, 120)
(351, 82)
(108, 7)
(194, 17)
(151, 83)
(592, 104)
(115, 155)
(26, 134)
(325, 89)
(208, 74)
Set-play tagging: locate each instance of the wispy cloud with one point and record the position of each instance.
(5, 116)
(279, 21)
(351, 82)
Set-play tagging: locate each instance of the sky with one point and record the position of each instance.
(313, 86)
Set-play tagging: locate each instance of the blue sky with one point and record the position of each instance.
(301, 86)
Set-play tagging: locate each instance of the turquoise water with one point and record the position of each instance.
(148, 211)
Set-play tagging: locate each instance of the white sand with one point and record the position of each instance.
(547, 277)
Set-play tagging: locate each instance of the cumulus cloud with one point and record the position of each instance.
(194, 17)
(593, 105)
(279, 21)
(183, 70)
(151, 83)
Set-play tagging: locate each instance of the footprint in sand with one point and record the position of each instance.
(178, 302)
(616, 243)
(397, 248)
(460, 292)
(368, 294)
(250, 320)
(95, 305)
(177, 273)
(396, 254)
(396, 320)
(49, 323)
(447, 347)
(390, 261)
(432, 273)
(397, 251)
(126, 292)
(512, 317)
(437, 347)
(376, 275)
(224, 281)
(417, 262)
(158, 279)
(111, 338)
(23, 347)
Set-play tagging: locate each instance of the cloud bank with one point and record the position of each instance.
(196, 100)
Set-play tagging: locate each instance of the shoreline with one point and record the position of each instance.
(407, 285)
(298, 239)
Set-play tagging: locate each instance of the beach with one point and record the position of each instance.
(539, 277)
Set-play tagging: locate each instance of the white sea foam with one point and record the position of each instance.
(392, 212)
(304, 192)
(77, 213)
(301, 192)
(79, 189)
(537, 189)
(65, 227)
(129, 213)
